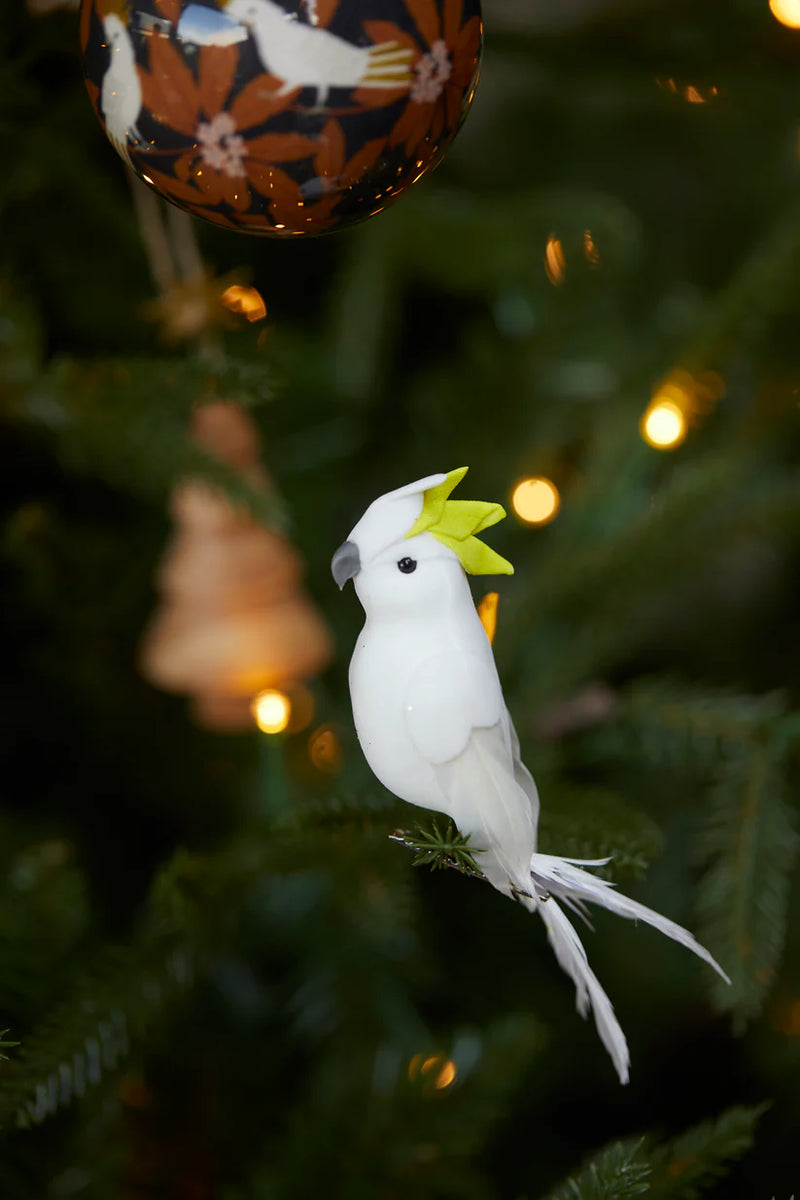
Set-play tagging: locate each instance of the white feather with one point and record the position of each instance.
(589, 993)
(562, 877)
(492, 809)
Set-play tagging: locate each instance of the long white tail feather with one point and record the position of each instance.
(571, 956)
(562, 878)
(388, 65)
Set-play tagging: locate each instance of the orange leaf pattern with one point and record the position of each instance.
(275, 132)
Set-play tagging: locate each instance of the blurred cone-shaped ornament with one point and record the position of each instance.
(235, 618)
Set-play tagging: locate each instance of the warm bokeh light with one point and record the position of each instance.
(324, 750)
(536, 500)
(487, 611)
(787, 12)
(245, 300)
(446, 1075)
(436, 1069)
(785, 1018)
(663, 425)
(555, 264)
(590, 251)
(271, 710)
(690, 93)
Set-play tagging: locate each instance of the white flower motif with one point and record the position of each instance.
(221, 147)
(432, 73)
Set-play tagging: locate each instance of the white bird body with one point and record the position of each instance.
(432, 722)
(306, 56)
(121, 92)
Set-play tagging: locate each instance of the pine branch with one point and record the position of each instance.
(757, 289)
(702, 504)
(426, 1110)
(89, 1033)
(673, 720)
(686, 1166)
(681, 1169)
(194, 904)
(619, 1172)
(581, 823)
(127, 422)
(597, 823)
(748, 846)
(438, 850)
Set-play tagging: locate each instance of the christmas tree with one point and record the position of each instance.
(227, 971)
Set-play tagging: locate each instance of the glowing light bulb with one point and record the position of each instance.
(271, 710)
(590, 251)
(663, 425)
(555, 264)
(436, 1070)
(324, 750)
(487, 611)
(245, 300)
(446, 1076)
(535, 500)
(787, 12)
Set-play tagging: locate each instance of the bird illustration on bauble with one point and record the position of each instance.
(121, 92)
(433, 724)
(303, 55)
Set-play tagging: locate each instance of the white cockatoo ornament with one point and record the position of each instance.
(433, 724)
(121, 91)
(303, 55)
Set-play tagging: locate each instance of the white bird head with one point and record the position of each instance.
(114, 15)
(115, 29)
(246, 12)
(412, 546)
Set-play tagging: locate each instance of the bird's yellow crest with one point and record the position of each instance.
(117, 8)
(455, 523)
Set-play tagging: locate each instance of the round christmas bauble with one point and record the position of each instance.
(281, 117)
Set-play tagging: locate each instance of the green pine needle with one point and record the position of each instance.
(683, 1168)
(618, 1172)
(749, 846)
(438, 850)
(687, 1166)
(4, 1045)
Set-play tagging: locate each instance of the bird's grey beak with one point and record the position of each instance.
(345, 563)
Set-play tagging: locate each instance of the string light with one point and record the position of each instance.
(689, 93)
(487, 611)
(324, 750)
(536, 500)
(245, 300)
(271, 710)
(663, 425)
(787, 12)
(437, 1070)
(555, 264)
(590, 251)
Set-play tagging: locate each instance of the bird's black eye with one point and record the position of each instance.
(407, 565)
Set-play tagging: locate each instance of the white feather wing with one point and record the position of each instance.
(457, 721)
